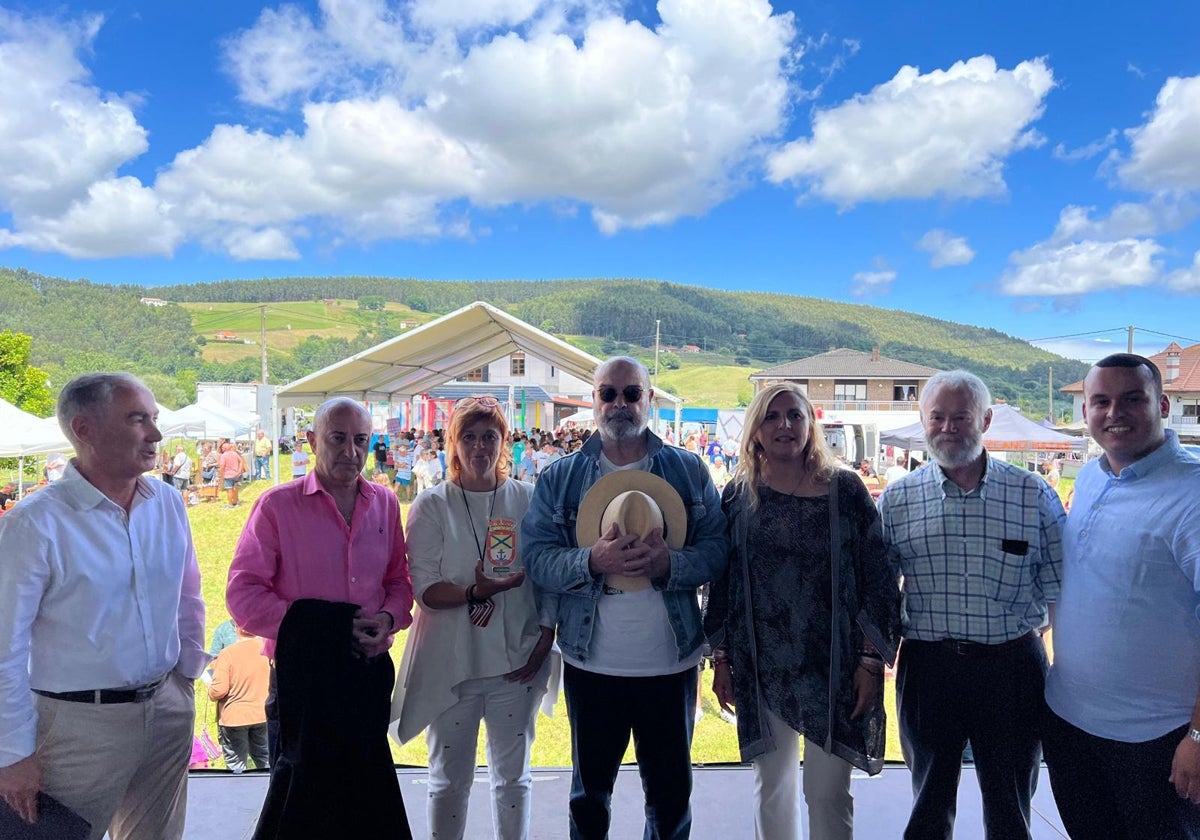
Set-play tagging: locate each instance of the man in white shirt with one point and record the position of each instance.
(896, 471)
(102, 626)
(299, 460)
(181, 469)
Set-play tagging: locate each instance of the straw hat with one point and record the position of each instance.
(637, 501)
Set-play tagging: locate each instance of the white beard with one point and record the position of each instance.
(959, 456)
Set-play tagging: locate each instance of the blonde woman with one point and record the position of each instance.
(802, 621)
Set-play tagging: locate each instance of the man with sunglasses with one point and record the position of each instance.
(630, 656)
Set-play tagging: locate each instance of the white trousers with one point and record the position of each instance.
(508, 710)
(777, 789)
(122, 766)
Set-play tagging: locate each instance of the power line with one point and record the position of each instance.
(1169, 335)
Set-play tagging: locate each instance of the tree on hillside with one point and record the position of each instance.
(21, 383)
(371, 302)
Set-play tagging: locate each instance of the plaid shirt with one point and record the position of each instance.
(978, 566)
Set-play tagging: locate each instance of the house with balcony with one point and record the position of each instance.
(546, 392)
(1180, 369)
(855, 386)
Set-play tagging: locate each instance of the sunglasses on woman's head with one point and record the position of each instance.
(631, 393)
(485, 401)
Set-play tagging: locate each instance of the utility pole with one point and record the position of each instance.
(1050, 391)
(262, 338)
(1129, 346)
(657, 336)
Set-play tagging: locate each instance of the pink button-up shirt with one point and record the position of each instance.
(296, 545)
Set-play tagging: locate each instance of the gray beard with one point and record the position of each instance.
(621, 431)
(956, 458)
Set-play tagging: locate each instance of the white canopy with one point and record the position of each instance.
(206, 418)
(1010, 431)
(434, 353)
(22, 433)
(585, 415)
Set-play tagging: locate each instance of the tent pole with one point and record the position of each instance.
(274, 428)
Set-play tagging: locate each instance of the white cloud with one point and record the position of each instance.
(945, 248)
(1165, 153)
(944, 133)
(1086, 151)
(1185, 279)
(281, 56)
(643, 125)
(118, 218)
(1161, 214)
(59, 133)
(468, 14)
(412, 114)
(1077, 268)
(867, 283)
(262, 244)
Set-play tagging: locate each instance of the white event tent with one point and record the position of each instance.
(1010, 431)
(23, 434)
(205, 418)
(435, 353)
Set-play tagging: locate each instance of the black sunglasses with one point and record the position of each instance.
(631, 393)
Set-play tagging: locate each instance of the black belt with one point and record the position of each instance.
(965, 648)
(104, 696)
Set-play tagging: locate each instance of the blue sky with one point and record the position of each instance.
(1033, 167)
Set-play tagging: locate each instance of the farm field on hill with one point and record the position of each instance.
(287, 323)
(709, 386)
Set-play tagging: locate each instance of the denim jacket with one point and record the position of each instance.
(558, 565)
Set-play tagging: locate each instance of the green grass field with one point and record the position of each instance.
(216, 531)
(711, 386)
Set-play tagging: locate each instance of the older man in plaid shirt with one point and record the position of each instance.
(979, 544)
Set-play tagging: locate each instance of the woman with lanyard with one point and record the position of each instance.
(802, 621)
(479, 648)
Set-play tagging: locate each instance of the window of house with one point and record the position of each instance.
(516, 364)
(477, 375)
(850, 391)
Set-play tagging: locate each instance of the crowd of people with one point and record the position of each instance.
(583, 567)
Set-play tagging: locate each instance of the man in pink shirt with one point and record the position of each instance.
(332, 536)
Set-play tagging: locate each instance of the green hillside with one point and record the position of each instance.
(314, 321)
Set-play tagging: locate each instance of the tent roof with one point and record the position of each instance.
(22, 433)
(207, 417)
(1010, 431)
(432, 354)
